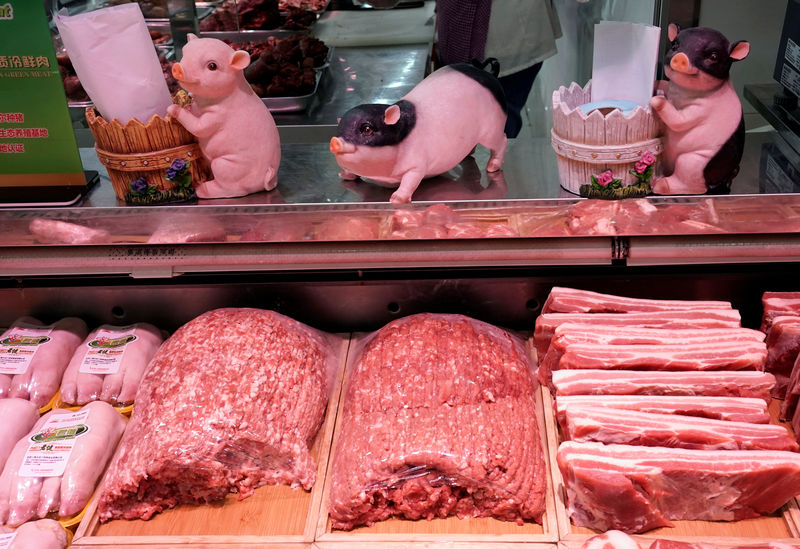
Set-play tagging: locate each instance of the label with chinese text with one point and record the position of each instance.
(106, 349)
(18, 346)
(51, 446)
(7, 539)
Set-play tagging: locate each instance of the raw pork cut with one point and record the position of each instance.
(783, 346)
(438, 420)
(792, 397)
(617, 426)
(638, 488)
(709, 318)
(569, 333)
(777, 304)
(745, 355)
(23, 496)
(18, 417)
(740, 383)
(670, 544)
(52, 231)
(235, 397)
(41, 378)
(39, 534)
(114, 387)
(748, 410)
(613, 539)
(571, 300)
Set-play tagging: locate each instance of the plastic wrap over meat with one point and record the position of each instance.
(33, 357)
(229, 403)
(38, 534)
(439, 419)
(109, 364)
(18, 417)
(613, 539)
(55, 468)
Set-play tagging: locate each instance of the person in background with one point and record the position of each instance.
(520, 34)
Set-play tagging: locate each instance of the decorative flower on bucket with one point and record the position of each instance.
(643, 169)
(140, 188)
(606, 180)
(178, 172)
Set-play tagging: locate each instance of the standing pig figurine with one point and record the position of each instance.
(426, 133)
(704, 133)
(233, 126)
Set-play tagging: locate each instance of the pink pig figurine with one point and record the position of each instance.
(233, 126)
(426, 133)
(704, 133)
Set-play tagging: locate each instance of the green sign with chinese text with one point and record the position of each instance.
(37, 142)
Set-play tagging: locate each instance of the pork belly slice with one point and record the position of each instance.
(438, 419)
(747, 410)
(775, 304)
(792, 397)
(571, 333)
(584, 423)
(701, 318)
(738, 383)
(783, 346)
(638, 488)
(744, 355)
(571, 300)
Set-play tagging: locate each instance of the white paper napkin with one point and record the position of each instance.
(624, 61)
(116, 62)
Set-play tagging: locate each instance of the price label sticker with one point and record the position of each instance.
(106, 350)
(51, 446)
(18, 346)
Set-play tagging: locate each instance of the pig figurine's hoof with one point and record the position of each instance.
(701, 113)
(427, 133)
(347, 176)
(234, 128)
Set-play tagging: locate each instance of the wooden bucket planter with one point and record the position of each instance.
(588, 145)
(136, 150)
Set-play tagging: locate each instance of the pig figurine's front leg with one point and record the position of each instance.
(200, 126)
(408, 184)
(687, 175)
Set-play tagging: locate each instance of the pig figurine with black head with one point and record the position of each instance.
(234, 128)
(702, 115)
(426, 133)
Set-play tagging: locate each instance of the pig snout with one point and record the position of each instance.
(680, 62)
(340, 146)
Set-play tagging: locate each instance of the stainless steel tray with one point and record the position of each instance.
(294, 103)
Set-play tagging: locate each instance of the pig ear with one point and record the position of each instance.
(740, 50)
(672, 31)
(391, 115)
(240, 60)
(190, 37)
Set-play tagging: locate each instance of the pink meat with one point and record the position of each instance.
(463, 230)
(407, 219)
(745, 355)
(425, 232)
(710, 318)
(40, 534)
(593, 217)
(783, 346)
(18, 417)
(81, 387)
(347, 228)
(568, 334)
(441, 214)
(792, 397)
(571, 300)
(498, 230)
(187, 228)
(42, 379)
(613, 539)
(438, 420)
(272, 230)
(22, 498)
(741, 383)
(617, 426)
(777, 304)
(637, 488)
(253, 382)
(749, 410)
(51, 231)
(670, 544)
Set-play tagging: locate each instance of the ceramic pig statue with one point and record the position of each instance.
(702, 115)
(233, 126)
(426, 133)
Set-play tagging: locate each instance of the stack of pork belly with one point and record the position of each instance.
(663, 408)
(781, 322)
